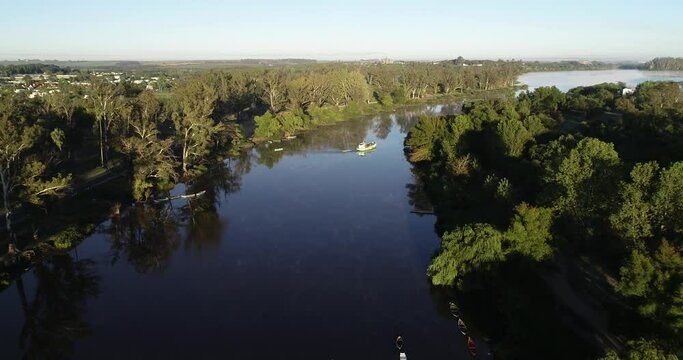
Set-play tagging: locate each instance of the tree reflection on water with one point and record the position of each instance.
(147, 235)
(54, 315)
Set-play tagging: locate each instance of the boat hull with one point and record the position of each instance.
(366, 148)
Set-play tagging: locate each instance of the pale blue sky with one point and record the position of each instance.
(344, 29)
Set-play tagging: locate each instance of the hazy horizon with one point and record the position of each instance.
(353, 30)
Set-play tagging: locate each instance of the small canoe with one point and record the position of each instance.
(187, 196)
(290, 137)
(471, 346)
(278, 149)
(399, 342)
(455, 311)
(462, 327)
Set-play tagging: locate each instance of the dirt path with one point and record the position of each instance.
(587, 308)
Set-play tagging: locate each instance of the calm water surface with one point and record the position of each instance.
(306, 253)
(565, 80)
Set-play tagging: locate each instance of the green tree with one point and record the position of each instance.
(584, 179)
(466, 249)
(152, 158)
(513, 136)
(423, 137)
(64, 101)
(654, 282)
(641, 350)
(267, 126)
(274, 85)
(23, 176)
(537, 124)
(668, 200)
(634, 218)
(546, 100)
(636, 275)
(529, 233)
(194, 102)
(105, 99)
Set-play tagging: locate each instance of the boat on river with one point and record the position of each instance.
(186, 196)
(471, 346)
(455, 311)
(399, 346)
(462, 327)
(363, 146)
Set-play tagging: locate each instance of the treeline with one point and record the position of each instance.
(10, 70)
(302, 99)
(657, 64)
(664, 63)
(520, 181)
(529, 66)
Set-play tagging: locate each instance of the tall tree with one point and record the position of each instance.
(152, 158)
(105, 98)
(513, 136)
(22, 174)
(194, 102)
(466, 249)
(274, 83)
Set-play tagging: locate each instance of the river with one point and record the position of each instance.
(305, 253)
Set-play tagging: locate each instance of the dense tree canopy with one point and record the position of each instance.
(608, 185)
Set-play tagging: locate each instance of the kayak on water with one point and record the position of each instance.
(471, 346)
(462, 327)
(455, 311)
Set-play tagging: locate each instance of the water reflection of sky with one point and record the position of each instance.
(565, 80)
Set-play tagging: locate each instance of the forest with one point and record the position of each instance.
(14, 69)
(588, 180)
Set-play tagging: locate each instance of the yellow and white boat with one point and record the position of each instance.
(363, 146)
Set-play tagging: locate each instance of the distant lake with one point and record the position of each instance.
(565, 80)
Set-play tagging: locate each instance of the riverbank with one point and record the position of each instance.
(288, 123)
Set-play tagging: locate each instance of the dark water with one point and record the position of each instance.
(306, 253)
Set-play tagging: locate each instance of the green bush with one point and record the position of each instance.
(71, 236)
(290, 122)
(325, 115)
(352, 110)
(386, 100)
(399, 96)
(142, 189)
(267, 126)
